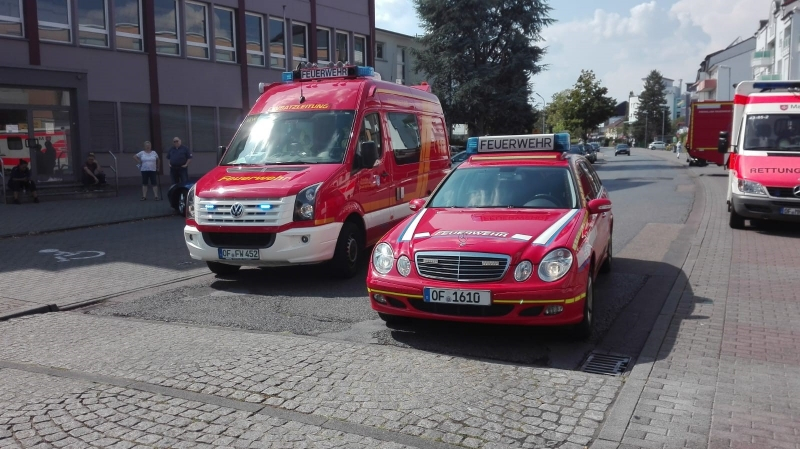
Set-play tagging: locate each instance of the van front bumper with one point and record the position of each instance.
(765, 208)
(296, 246)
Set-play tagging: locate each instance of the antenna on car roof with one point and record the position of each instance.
(302, 97)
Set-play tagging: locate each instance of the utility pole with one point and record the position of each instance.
(646, 117)
(544, 106)
(663, 119)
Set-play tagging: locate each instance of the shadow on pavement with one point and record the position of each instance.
(774, 228)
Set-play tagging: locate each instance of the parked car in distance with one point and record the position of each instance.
(458, 158)
(584, 150)
(622, 149)
(177, 196)
(595, 146)
(658, 145)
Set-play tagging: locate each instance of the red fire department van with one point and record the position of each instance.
(324, 164)
(706, 120)
(764, 152)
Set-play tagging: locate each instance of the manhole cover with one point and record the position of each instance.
(611, 365)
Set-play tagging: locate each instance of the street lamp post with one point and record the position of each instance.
(663, 119)
(646, 118)
(544, 106)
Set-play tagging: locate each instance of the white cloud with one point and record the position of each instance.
(672, 36)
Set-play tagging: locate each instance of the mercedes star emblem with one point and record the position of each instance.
(796, 191)
(237, 210)
(462, 239)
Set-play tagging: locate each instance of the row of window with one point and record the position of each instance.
(56, 25)
(201, 128)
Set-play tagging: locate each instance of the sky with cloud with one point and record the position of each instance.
(621, 40)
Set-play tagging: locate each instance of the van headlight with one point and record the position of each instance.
(304, 203)
(383, 258)
(555, 265)
(750, 187)
(190, 204)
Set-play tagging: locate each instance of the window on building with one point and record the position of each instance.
(277, 43)
(299, 42)
(323, 45)
(166, 12)
(255, 39)
(196, 30)
(173, 124)
(224, 32)
(401, 65)
(93, 23)
(379, 51)
(135, 120)
(204, 135)
(11, 18)
(360, 50)
(103, 126)
(229, 120)
(406, 142)
(128, 24)
(54, 20)
(342, 47)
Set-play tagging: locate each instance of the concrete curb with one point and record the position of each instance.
(86, 226)
(30, 311)
(619, 416)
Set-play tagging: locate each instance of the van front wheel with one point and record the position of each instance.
(349, 251)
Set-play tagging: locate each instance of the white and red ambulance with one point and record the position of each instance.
(764, 153)
(324, 164)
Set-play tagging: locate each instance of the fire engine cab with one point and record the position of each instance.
(764, 153)
(324, 164)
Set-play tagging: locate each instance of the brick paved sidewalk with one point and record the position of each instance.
(725, 373)
(57, 215)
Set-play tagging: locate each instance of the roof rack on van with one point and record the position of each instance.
(312, 71)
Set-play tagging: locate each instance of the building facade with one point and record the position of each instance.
(394, 59)
(104, 76)
(719, 72)
(777, 42)
(672, 98)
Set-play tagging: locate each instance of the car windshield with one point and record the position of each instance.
(772, 132)
(622, 147)
(298, 137)
(576, 149)
(507, 187)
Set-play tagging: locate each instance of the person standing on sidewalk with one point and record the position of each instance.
(678, 150)
(149, 164)
(179, 158)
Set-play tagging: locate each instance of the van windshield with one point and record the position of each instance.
(298, 137)
(773, 132)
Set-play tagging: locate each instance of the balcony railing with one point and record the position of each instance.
(762, 58)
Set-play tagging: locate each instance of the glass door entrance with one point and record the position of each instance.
(13, 137)
(52, 148)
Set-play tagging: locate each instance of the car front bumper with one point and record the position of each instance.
(512, 303)
(765, 208)
(295, 246)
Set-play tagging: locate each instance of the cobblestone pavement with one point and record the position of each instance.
(725, 375)
(433, 398)
(36, 411)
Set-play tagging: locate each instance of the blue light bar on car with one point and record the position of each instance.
(777, 85)
(518, 144)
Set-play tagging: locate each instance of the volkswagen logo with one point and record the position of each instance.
(237, 210)
(796, 191)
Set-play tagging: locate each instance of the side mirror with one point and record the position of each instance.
(599, 205)
(416, 204)
(724, 142)
(220, 153)
(369, 154)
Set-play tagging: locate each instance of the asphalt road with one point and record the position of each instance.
(649, 195)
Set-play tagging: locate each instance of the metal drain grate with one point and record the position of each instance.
(611, 365)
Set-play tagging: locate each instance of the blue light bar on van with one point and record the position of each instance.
(330, 71)
(777, 85)
(518, 144)
(265, 206)
(210, 207)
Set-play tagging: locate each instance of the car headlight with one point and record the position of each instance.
(404, 266)
(523, 271)
(751, 187)
(190, 204)
(304, 203)
(555, 265)
(383, 258)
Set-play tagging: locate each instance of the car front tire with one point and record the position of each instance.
(349, 251)
(735, 220)
(584, 329)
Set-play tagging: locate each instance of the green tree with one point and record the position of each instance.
(652, 111)
(481, 55)
(556, 113)
(588, 105)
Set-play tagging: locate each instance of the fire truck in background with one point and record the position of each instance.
(706, 120)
